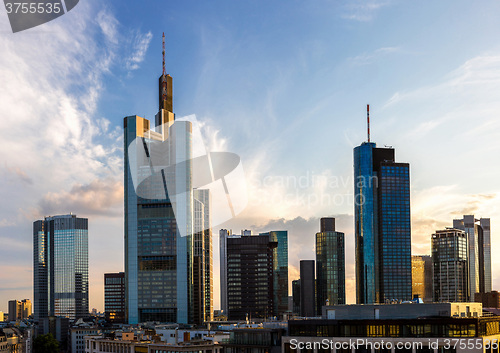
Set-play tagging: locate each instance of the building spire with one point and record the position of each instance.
(163, 53)
(368, 120)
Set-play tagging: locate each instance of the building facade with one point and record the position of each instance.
(422, 277)
(307, 288)
(330, 265)
(114, 297)
(250, 277)
(382, 225)
(61, 267)
(280, 271)
(450, 266)
(19, 309)
(159, 215)
(479, 248)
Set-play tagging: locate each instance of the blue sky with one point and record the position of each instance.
(284, 84)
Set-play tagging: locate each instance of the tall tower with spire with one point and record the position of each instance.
(382, 224)
(158, 214)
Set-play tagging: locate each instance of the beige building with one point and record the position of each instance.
(421, 272)
(19, 310)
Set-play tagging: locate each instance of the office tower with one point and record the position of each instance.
(422, 278)
(296, 297)
(479, 242)
(307, 289)
(330, 265)
(203, 254)
(489, 300)
(19, 309)
(449, 260)
(250, 276)
(61, 267)
(114, 297)
(382, 225)
(158, 215)
(280, 263)
(223, 235)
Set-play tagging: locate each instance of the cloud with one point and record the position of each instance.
(363, 11)
(139, 47)
(101, 197)
(368, 58)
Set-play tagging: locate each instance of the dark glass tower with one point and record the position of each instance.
(114, 297)
(382, 225)
(61, 267)
(330, 265)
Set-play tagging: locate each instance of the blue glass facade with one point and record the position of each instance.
(60, 266)
(382, 225)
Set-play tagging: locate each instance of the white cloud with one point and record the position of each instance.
(139, 47)
(362, 10)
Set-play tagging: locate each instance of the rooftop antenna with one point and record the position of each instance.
(163, 53)
(368, 120)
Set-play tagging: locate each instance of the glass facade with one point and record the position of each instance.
(449, 260)
(382, 226)
(330, 269)
(158, 260)
(114, 297)
(61, 279)
(280, 268)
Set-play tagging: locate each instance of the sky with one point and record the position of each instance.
(283, 84)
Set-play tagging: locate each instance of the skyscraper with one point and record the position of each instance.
(382, 225)
(250, 276)
(223, 235)
(307, 289)
(280, 264)
(114, 297)
(19, 309)
(61, 267)
(158, 215)
(479, 242)
(330, 265)
(449, 260)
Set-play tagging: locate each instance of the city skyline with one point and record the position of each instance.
(429, 92)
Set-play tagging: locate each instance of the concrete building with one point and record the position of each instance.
(19, 309)
(114, 297)
(77, 334)
(307, 288)
(58, 327)
(489, 300)
(449, 260)
(61, 267)
(422, 277)
(479, 251)
(409, 328)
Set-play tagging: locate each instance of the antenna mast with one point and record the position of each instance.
(368, 120)
(163, 52)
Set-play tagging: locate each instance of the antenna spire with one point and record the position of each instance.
(368, 120)
(163, 53)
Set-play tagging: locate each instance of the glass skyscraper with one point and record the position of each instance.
(330, 265)
(158, 215)
(479, 244)
(61, 267)
(382, 225)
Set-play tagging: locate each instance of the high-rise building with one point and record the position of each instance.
(479, 242)
(296, 297)
(422, 278)
(159, 215)
(114, 297)
(61, 267)
(382, 225)
(307, 288)
(449, 260)
(280, 263)
(330, 265)
(223, 235)
(202, 258)
(250, 276)
(19, 309)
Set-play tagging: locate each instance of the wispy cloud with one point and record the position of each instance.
(362, 11)
(139, 47)
(367, 58)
